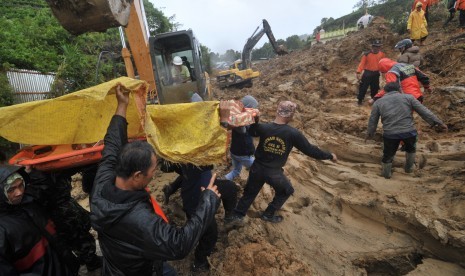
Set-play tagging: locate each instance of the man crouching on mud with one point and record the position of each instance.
(136, 239)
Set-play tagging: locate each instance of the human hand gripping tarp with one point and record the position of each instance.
(180, 133)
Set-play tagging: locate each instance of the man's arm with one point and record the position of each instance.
(302, 144)
(115, 138)
(426, 114)
(422, 78)
(169, 242)
(373, 121)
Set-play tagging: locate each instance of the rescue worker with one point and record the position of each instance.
(409, 53)
(28, 243)
(368, 72)
(425, 4)
(134, 234)
(407, 75)
(276, 142)
(395, 111)
(451, 9)
(242, 148)
(179, 71)
(53, 192)
(417, 25)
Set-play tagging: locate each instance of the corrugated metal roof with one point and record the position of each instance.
(30, 85)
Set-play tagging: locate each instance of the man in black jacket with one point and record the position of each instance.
(28, 243)
(276, 142)
(135, 239)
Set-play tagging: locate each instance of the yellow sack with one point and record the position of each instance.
(76, 118)
(187, 133)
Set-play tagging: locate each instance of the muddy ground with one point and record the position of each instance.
(344, 218)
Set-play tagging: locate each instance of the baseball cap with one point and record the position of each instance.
(286, 109)
(419, 4)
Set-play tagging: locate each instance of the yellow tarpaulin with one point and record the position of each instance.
(82, 117)
(188, 133)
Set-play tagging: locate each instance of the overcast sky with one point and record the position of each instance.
(226, 24)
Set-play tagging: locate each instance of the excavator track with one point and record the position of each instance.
(81, 16)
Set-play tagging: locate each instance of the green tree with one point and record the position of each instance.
(294, 42)
(206, 61)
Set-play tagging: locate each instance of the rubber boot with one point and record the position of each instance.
(387, 170)
(409, 162)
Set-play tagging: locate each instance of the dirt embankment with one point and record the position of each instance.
(344, 218)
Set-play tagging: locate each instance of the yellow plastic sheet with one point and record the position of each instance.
(179, 133)
(76, 118)
(187, 133)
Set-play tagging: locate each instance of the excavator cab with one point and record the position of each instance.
(163, 48)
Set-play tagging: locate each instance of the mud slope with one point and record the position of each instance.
(345, 219)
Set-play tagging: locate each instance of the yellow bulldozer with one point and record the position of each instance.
(240, 73)
(152, 56)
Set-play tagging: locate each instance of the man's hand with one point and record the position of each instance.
(334, 160)
(408, 30)
(443, 127)
(224, 111)
(359, 76)
(371, 101)
(211, 186)
(122, 96)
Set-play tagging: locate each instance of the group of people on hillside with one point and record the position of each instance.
(44, 231)
(395, 103)
(417, 24)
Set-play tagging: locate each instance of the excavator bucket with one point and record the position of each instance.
(81, 16)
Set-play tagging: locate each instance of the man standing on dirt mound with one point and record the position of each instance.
(369, 66)
(395, 110)
(276, 142)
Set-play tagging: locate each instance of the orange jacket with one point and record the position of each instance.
(460, 5)
(370, 61)
(406, 75)
(425, 3)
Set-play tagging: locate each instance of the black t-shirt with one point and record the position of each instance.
(242, 142)
(277, 141)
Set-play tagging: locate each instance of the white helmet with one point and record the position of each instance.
(177, 60)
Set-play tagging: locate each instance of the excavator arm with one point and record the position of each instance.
(253, 40)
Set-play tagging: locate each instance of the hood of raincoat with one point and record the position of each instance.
(385, 64)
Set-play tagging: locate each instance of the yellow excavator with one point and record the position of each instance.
(152, 55)
(240, 73)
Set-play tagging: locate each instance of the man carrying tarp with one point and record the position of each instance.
(135, 237)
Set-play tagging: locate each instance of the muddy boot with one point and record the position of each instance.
(409, 162)
(387, 170)
(269, 215)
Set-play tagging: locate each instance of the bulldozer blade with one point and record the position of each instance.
(81, 16)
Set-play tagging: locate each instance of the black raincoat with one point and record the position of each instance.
(134, 240)
(26, 236)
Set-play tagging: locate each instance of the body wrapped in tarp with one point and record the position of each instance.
(182, 133)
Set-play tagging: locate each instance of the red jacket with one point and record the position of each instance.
(406, 74)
